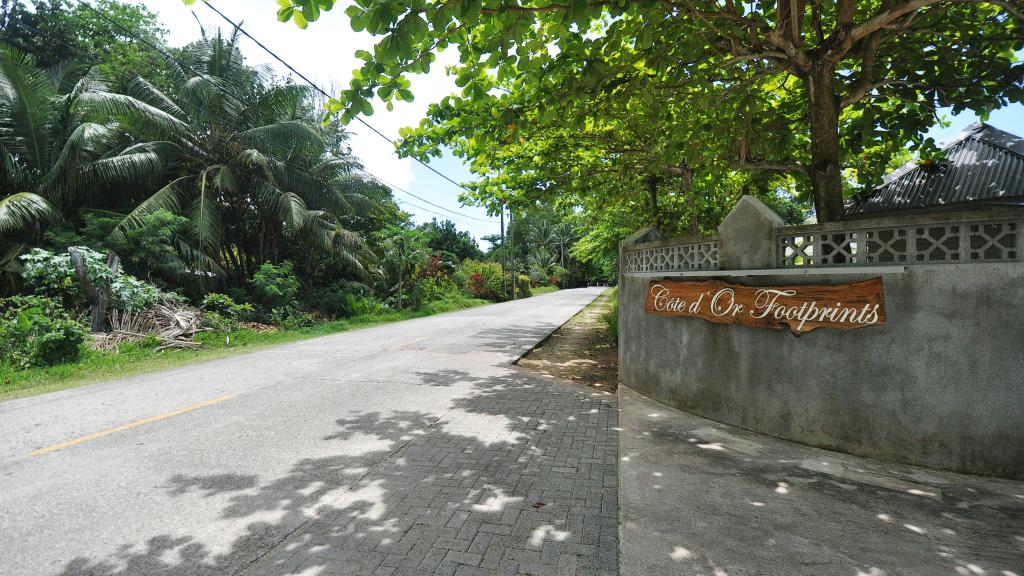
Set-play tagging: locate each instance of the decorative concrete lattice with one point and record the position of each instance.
(678, 258)
(950, 242)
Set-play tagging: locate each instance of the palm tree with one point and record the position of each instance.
(53, 146)
(26, 98)
(245, 161)
(562, 235)
(540, 262)
(403, 255)
(539, 233)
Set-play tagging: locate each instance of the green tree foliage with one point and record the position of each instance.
(55, 149)
(245, 162)
(65, 33)
(801, 88)
(404, 251)
(445, 237)
(153, 250)
(199, 172)
(275, 286)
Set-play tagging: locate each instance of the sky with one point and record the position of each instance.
(324, 53)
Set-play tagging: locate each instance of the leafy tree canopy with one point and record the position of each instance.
(794, 87)
(445, 237)
(57, 32)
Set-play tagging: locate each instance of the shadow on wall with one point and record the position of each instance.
(412, 500)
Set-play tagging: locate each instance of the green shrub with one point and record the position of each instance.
(363, 305)
(226, 306)
(148, 249)
(222, 314)
(37, 331)
(218, 322)
(558, 275)
(523, 286)
(53, 275)
(611, 317)
(289, 318)
(275, 286)
(482, 280)
(332, 301)
(414, 294)
(441, 288)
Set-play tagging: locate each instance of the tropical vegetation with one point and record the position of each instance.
(191, 188)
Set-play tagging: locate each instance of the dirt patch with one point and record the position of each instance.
(580, 350)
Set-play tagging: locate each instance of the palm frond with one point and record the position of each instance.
(13, 176)
(167, 198)
(280, 136)
(212, 99)
(26, 99)
(143, 91)
(121, 170)
(334, 167)
(143, 118)
(199, 264)
(23, 209)
(205, 221)
(286, 207)
(226, 179)
(60, 179)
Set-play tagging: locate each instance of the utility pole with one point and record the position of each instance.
(512, 256)
(504, 251)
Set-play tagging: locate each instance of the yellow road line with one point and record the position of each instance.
(403, 344)
(130, 425)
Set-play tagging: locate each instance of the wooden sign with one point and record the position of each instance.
(800, 308)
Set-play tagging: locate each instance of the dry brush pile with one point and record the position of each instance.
(171, 323)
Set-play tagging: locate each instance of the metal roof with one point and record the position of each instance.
(982, 164)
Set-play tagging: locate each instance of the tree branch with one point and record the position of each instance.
(771, 166)
(862, 91)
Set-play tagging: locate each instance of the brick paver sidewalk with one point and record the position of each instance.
(520, 477)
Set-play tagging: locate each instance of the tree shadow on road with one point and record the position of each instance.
(519, 473)
(446, 378)
(513, 339)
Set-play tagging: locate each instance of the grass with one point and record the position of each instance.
(611, 317)
(543, 290)
(94, 366)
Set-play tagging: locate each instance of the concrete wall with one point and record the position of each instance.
(941, 384)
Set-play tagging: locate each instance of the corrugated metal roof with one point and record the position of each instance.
(982, 164)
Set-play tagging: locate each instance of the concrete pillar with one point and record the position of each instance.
(746, 238)
(642, 235)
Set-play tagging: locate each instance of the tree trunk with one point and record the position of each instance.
(652, 190)
(692, 219)
(504, 252)
(400, 285)
(97, 296)
(823, 115)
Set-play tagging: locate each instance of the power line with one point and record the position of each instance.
(446, 217)
(318, 89)
(420, 198)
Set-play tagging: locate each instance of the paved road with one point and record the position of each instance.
(412, 448)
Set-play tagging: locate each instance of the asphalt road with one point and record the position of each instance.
(215, 462)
